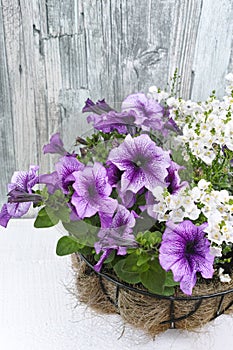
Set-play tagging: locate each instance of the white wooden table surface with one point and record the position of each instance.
(39, 312)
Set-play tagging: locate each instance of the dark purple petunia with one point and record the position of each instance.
(65, 168)
(171, 125)
(92, 192)
(115, 234)
(142, 162)
(104, 256)
(99, 107)
(4, 216)
(20, 195)
(55, 145)
(149, 112)
(173, 178)
(186, 251)
(114, 174)
(108, 122)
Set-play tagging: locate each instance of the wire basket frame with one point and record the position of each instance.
(172, 319)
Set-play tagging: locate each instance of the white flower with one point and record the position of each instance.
(216, 251)
(223, 196)
(224, 277)
(177, 215)
(207, 156)
(195, 193)
(227, 231)
(215, 236)
(192, 212)
(172, 102)
(203, 185)
(229, 77)
(156, 94)
(160, 208)
(153, 89)
(158, 192)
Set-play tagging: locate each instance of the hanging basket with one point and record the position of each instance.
(153, 313)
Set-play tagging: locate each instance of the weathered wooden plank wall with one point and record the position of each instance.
(56, 53)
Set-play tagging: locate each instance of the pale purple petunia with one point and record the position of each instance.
(186, 251)
(55, 145)
(142, 162)
(24, 180)
(51, 181)
(127, 198)
(115, 234)
(149, 112)
(92, 191)
(65, 168)
(20, 195)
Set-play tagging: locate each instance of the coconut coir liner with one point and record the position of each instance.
(147, 312)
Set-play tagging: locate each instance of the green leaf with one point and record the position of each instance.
(52, 215)
(154, 278)
(169, 282)
(67, 245)
(44, 220)
(142, 259)
(130, 264)
(129, 277)
(83, 232)
(110, 258)
(168, 291)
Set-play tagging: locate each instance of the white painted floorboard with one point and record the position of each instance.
(38, 312)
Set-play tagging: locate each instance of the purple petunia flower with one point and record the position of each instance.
(171, 125)
(65, 168)
(92, 191)
(114, 174)
(123, 122)
(186, 251)
(142, 163)
(4, 216)
(99, 107)
(149, 112)
(55, 145)
(20, 195)
(173, 178)
(150, 202)
(51, 181)
(115, 234)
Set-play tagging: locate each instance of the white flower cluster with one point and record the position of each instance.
(157, 94)
(205, 125)
(216, 206)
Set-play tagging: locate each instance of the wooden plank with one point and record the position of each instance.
(57, 53)
(7, 141)
(213, 53)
